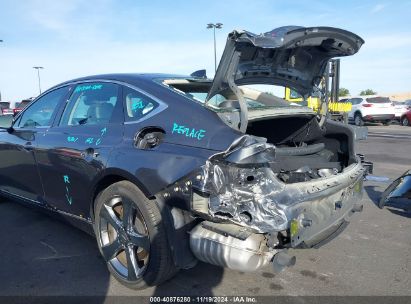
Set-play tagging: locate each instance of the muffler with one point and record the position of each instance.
(229, 245)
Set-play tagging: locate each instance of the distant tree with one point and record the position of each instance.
(343, 92)
(368, 92)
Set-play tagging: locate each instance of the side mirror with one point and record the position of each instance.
(6, 122)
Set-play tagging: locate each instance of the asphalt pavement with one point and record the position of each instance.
(43, 256)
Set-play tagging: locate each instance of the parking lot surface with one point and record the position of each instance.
(43, 256)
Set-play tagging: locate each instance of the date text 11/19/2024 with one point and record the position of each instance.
(203, 299)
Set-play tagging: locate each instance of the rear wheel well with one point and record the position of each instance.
(107, 181)
(182, 255)
(101, 185)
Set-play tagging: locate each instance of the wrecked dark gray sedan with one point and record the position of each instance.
(167, 170)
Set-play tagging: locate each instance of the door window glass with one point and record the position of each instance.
(91, 104)
(40, 112)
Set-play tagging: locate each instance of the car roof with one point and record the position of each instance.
(125, 77)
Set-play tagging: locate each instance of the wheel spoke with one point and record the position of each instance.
(108, 214)
(111, 250)
(133, 271)
(127, 215)
(138, 240)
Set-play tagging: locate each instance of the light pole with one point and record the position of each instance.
(38, 75)
(215, 26)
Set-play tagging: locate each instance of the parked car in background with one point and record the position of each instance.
(408, 104)
(401, 107)
(5, 108)
(21, 105)
(371, 109)
(406, 118)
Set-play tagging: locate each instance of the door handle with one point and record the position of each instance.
(28, 146)
(90, 152)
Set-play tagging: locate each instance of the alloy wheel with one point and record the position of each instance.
(124, 238)
(405, 121)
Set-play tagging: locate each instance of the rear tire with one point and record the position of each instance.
(358, 121)
(387, 123)
(405, 121)
(132, 237)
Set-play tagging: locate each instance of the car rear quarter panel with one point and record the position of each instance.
(192, 133)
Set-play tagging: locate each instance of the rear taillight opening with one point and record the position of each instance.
(367, 105)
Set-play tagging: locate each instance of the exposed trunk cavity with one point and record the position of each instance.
(304, 151)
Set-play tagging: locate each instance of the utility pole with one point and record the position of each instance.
(215, 26)
(38, 75)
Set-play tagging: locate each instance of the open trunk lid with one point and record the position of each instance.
(290, 56)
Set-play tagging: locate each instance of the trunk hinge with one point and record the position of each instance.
(322, 90)
(236, 90)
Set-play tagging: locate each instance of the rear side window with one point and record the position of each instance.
(137, 105)
(91, 104)
(39, 114)
(378, 100)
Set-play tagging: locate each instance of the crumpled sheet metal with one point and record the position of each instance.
(256, 198)
(250, 196)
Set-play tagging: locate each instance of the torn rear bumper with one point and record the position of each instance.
(255, 198)
(323, 216)
(318, 222)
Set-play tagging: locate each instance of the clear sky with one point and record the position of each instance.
(73, 38)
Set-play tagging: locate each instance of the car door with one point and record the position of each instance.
(76, 148)
(19, 173)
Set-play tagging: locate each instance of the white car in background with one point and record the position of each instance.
(371, 109)
(401, 107)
